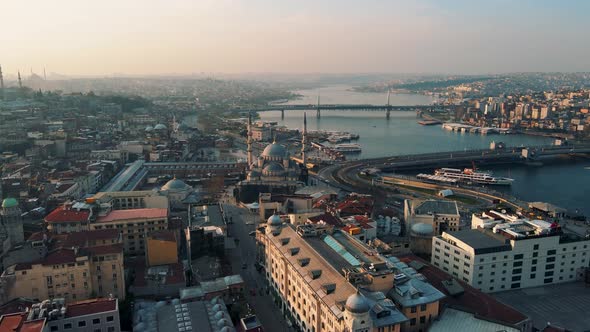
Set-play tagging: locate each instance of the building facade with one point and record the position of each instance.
(513, 254)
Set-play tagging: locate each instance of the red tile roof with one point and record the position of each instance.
(62, 214)
(88, 307)
(105, 250)
(82, 239)
(134, 214)
(476, 301)
(17, 323)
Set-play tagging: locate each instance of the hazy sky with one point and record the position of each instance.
(329, 36)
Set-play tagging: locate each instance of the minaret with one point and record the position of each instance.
(1, 84)
(304, 141)
(44, 74)
(249, 140)
(318, 114)
(387, 114)
(20, 82)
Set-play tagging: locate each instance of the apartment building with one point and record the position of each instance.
(76, 268)
(505, 251)
(135, 225)
(97, 315)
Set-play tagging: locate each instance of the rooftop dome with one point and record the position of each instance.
(149, 128)
(274, 150)
(357, 303)
(159, 126)
(9, 203)
(422, 229)
(274, 220)
(175, 184)
(273, 168)
(217, 307)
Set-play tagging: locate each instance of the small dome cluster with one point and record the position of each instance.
(274, 220)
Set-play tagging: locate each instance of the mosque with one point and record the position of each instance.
(273, 171)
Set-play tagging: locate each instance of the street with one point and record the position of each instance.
(267, 312)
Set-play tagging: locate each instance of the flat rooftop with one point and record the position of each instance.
(480, 241)
(437, 207)
(565, 305)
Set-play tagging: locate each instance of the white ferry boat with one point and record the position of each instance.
(472, 175)
(348, 147)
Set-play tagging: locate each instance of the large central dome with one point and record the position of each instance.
(274, 150)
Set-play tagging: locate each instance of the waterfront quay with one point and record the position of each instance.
(484, 156)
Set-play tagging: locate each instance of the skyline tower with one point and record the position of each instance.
(20, 82)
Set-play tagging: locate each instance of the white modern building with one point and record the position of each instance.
(503, 252)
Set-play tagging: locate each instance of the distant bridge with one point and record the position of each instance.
(336, 107)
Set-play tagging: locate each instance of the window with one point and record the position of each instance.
(533, 276)
(412, 321)
(82, 323)
(96, 321)
(112, 328)
(423, 307)
(534, 261)
(549, 274)
(549, 266)
(67, 326)
(535, 254)
(551, 252)
(110, 318)
(550, 259)
(515, 285)
(519, 256)
(413, 309)
(422, 319)
(533, 269)
(516, 271)
(548, 280)
(519, 263)
(536, 247)
(516, 278)
(55, 328)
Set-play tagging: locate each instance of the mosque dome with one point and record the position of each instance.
(274, 220)
(149, 128)
(274, 150)
(357, 303)
(160, 126)
(175, 185)
(273, 169)
(422, 229)
(9, 203)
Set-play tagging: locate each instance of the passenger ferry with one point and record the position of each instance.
(348, 148)
(472, 175)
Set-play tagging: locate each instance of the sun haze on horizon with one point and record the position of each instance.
(182, 36)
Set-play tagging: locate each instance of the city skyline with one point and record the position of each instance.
(182, 37)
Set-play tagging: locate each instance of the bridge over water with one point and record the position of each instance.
(336, 107)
